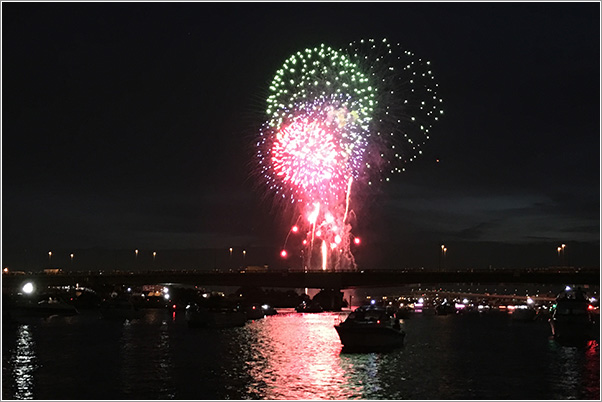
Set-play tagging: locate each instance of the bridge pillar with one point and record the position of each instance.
(330, 299)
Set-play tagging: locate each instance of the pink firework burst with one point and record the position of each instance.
(308, 157)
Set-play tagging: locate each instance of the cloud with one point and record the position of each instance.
(502, 216)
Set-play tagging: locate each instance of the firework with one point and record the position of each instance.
(336, 117)
(408, 105)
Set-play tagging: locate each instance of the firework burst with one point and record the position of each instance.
(408, 105)
(336, 117)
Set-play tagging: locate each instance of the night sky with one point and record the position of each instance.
(132, 126)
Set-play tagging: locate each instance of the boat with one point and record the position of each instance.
(256, 311)
(370, 328)
(571, 319)
(268, 310)
(119, 309)
(444, 309)
(403, 312)
(44, 306)
(312, 307)
(523, 312)
(224, 317)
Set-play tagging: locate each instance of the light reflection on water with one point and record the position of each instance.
(24, 363)
(296, 356)
(146, 359)
(577, 368)
(290, 356)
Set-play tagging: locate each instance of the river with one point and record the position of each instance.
(290, 356)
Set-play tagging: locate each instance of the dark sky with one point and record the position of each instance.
(131, 125)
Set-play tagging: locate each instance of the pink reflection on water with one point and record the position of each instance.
(297, 356)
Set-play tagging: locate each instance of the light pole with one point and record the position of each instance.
(441, 257)
(50, 257)
(230, 261)
(444, 254)
(244, 254)
(71, 259)
(563, 254)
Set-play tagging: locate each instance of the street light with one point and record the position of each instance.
(71, 258)
(136, 252)
(50, 256)
(154, 255)
(444, 254)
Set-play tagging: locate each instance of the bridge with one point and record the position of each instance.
(298, 279)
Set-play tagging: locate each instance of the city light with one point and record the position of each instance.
(28, 288)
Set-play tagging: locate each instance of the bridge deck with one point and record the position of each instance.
(319, 279)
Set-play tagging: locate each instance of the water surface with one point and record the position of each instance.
(290, 356)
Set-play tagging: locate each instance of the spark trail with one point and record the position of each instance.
(334, 118)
